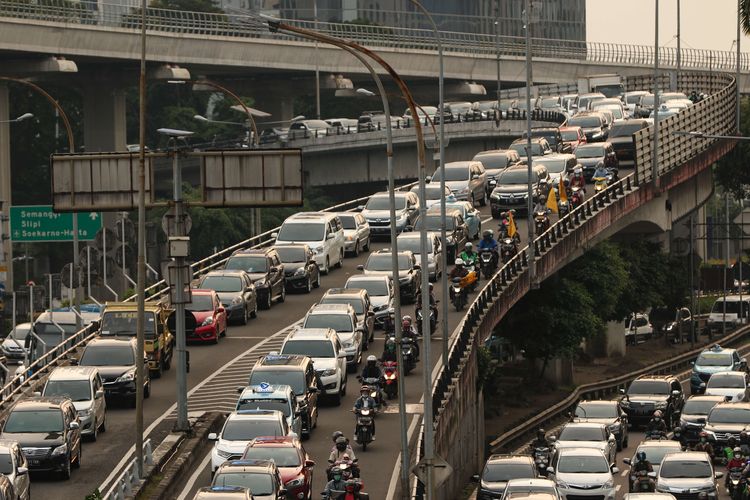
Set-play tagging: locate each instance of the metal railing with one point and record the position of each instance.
(233, 25)
(511, 281)
(124, 485)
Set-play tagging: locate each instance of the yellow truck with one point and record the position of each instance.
(119, 320)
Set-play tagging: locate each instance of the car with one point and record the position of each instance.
(584, 101)
(375, 120)
(360, 302)
(456, 231)
(593, 123)
(553, 104)
(343, 125)
(14, 347)
(304, 129)
(731, 385)
(461, 110)
(484, 110)
(606, 412)
(511, 192)
(613, 104)
(236, 292)
(494, 162)
(270, 135)
(637, 327)
(265, 269)
(649, 393)
(621, 138)
(432, 193)
(573, 136)
(323, 346)
(265, 396)
(588, 435)
(539, 147)
(223, 493)
(553, 136)
(116, 360)
(298, 372)
(293, 462)
(582, 473)
(210, 316)
(411, 242)
(15, 468)
(48, 431)
(377, 212)
(343, 320)
(261, 477)
(725, 314)
(380, 292)
(537, 488)
(590, 155)
(301, 272)
(715, 359)
(472, 216)
(499, 469)
(689, 471)
(356, 232)
(322, 231)
(558, 166)
(47, 334)
(240, 428)
(694, 414)
(85, 387)
(666, 97)
(409, 271)
(465, 179)
(630, 101)
(726, 420)
(655, 451)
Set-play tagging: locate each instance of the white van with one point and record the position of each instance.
(637, 327)
(321, 231)
(716, 317)
(84, 386)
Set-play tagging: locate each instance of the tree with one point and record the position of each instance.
(603, 272)
(731, 170)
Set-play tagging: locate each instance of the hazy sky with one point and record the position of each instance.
(704, 24)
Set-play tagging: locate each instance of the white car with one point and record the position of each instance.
(342, 319)
(322, 345)
(380, 291)
(638, 326)
(582, 472)
(432, 193)
(14, 345)
(356, 232)
(410, 241)
(588, 435)
(730, 385)
(13, 465)
(323, 232)
(537, 488)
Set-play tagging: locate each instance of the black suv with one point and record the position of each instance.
(264, 267)
(456, 230)
(116, 360)
(300, 269)
(48, 430)
(553, 136)
(409, 271)
(724, 421)
(649, 393)
(500, 469)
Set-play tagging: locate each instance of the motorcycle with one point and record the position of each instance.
(655, 435)
(576, 197)
(345, 465)
(352, 491)
(433, 319)
(508, 249)
(735, 474)
(376, 392)
(740, 491)
(458, 295)
(504, 224)
(487, 262)
(541, 221)
(643, 482)
(365, 423)
(407, 352)
(541, 457)
(390, 373)
(600, 183)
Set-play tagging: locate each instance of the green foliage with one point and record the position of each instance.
(604, 270)
(488, 371)
(731, 170)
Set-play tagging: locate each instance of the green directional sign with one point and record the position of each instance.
(39, 223)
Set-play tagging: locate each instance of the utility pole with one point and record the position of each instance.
(726, 261)
(692, 285)
(679, 53)
(497, 48)
(655, 156)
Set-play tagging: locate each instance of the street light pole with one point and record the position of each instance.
(317, 63)
(737, 69)
(529, 162)
(655, 149)
(679, 52)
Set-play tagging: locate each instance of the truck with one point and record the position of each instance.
(611, 85)
(119, 320)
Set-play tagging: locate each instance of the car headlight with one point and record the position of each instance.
(560, 483)
(295, 483)
(84, 413)
(60, 450)
(609, 484)
(328, 372)
(127, 377)
(208, 321)
(660, 405)
(300, 271)
(318, 249)
(236, 301)
(222, 453)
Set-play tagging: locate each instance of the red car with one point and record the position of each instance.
(210, 316)
(294, 464)
(573, 135)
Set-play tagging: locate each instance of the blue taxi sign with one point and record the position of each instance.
(264, 387)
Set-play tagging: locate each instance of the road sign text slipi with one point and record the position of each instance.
(34, 223)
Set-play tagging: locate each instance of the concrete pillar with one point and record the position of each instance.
(103, 118)
(6, 248)
(278, 100)
(615, 338)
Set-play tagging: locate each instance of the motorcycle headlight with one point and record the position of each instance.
(60, 450)
(208, 321)
(390, 376)
(127, 377)
(295, 483)
(328, 372)
(236, 301)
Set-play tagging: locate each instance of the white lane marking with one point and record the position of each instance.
(126, 458)
(484, 221)
(617, 488)
(624, 473)
(194, 477)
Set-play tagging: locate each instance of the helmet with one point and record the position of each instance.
(737, 450)
(459, 262)
(540, 433)
(641, 456)
(430, 286)
(487, 234)
(566, 182)
(371, 359)
(406, 318)
(337, 435)
(390, 344)
(341, 443)
(336, 473)
(365, 389)
(657, 414)
(468, 245)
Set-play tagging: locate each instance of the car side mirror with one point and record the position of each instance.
(626, 461)
(718, 475)
(274, 235)
(692, 363)
(474, 177)
(312, 389)
(329, 236)
(273, 270)
(249, 288)
(341, 355)
(550, 470)
(99, 394)
(21, 471)
(73, 426)
(417, 267)
(622, 391)
(240, 389)
(409, 228)
(360, 267)
(615, 469)
(360, 208)
(309, 464)
(701, 421)
(213, 436)
(475, 478)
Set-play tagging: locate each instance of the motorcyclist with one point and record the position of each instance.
(737, 462)
(728, 450)
(680, 437)
(418, 299)
(340, 450)
(364, 400)
(704, 445)
(459, 271)
(488, 242)
(389, 351)
(601, 171)
(335, 484)
(371, 369)
(469, 256)
(544, 188)
(657, 424)
(409, 333)
(578, 180)
(642, 463)
(540, 441)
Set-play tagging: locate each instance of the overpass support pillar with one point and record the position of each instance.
(278, 100)
(6, 249)
(104, 127)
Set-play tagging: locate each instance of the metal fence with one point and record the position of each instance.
(203, 24)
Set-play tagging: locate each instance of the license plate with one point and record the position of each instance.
(34, 462)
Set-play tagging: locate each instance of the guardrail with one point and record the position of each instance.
(123, 486)
(252, 26)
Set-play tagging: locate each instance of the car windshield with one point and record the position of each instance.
(281, 405)
(283, 457)
(42, 422)
(200, 302)
(506, 472)
(432, 191)
(550, 102)
(242, 429)
(714, 359)
(375, 288)
(20, 332)
(291, 254)
(44, 328)
(649, 387)
(554, 166)
(412, 244)
(356, 303)
(592, 151)
(248, 263)
(339, 322)
(492, 161)
(550, 135)
(698, 407)
(294, 379)
(633, 98)
(729, 415)
(597, 411)
(722, 381)
(6, 464)
(647, 100)
(624, 129)
(685, 468)
(301, 231)
(516, 176)
(382, 203)
(222, 283)
(585, 121)
(121, 355)
(312, 348)
(432, 223)
(260, 484)
(382, 262)
(348, 221)
(124, 323)
(576, 433)
(655, 454)
(569, 135)
(582, 464)
(77, 390)
(520, 148)
(732, 306)
(614, 109)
